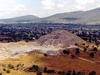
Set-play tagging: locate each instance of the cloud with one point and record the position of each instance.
(78, 7)
(12, 8)
(47, 8)
(53, 4)
(16, 10)
(50, 7)
(2, 7)
(48, 4)
(60, 5)
(98, 5)
(84, 2)
(19, 7)
(81, 4)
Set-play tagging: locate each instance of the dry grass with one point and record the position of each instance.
(63, 63)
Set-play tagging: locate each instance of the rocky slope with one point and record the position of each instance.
(14, 49)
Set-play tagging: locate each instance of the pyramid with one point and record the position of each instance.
(59, 38)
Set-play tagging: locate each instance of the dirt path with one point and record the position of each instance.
(87, 60)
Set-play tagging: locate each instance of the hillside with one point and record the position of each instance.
(14, 49)
(77, 17)
(22, 58)
(90, 17)
(26, 18)
(60, 63)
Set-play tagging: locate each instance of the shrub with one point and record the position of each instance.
(85, 49)
(45, 55)
(34, 68)
(59, 72)
(4, 69)
(66, 52)
(77, 51)
(95, 49)
(22, 65)
(48, 71)
(10, 66)
(76, 44)
(45, 69)
(0, 73)
(39, 73)
(91, 55)
(92, 73)
(3, 65)
(87, 46)
(18, 65)
(8, 71)
(73, 56)
(83, 44)
(80, 73)
(73, 73)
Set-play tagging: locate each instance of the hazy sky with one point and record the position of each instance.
(43, 8)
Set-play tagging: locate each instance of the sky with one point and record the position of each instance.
(43, 8)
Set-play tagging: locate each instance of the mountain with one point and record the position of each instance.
(59, 38)
(90, 17)
(26, 18)
(77, 17)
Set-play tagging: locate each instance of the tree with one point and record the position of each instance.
(74, 73)
(45, 55)
(87, 46)
(66, 52)
(10, 66)
(50, 71)
(4, 69)
(59, 72)
(85, 49)
(8, 71)
(35, 67)
(91, 55)
(69, 72)
(39, 73)
(92, 73)
(95, 49)
(83, 44)
(73, 56)
(77, 51)
(0, 73)
(80, 73)
(45, 69)
(76, 44)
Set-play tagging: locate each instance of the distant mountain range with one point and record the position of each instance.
(26, 18)
(77, 17)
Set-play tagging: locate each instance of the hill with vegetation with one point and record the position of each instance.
(26, 18)
(79, 17)
(90, 17)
